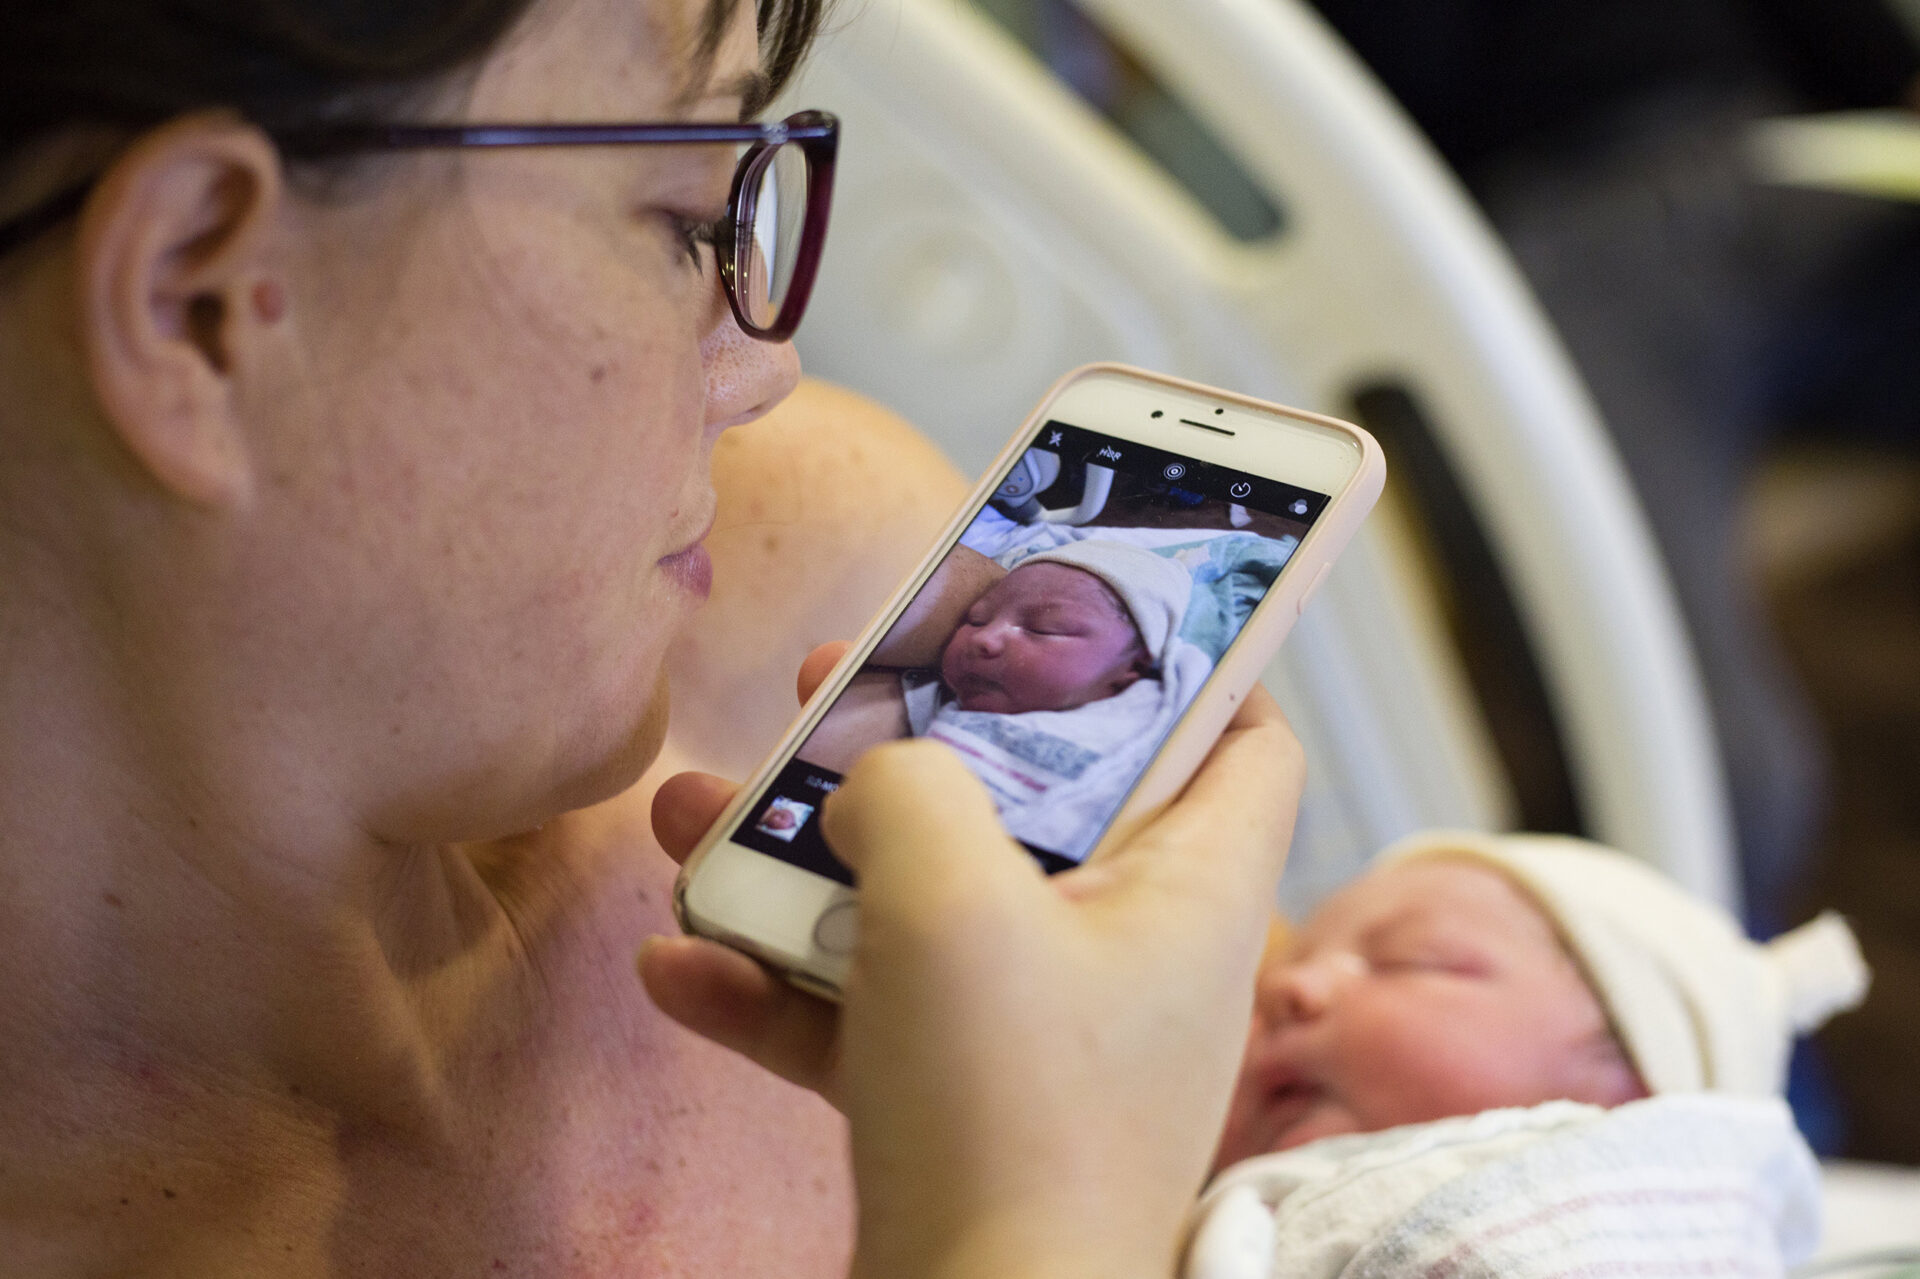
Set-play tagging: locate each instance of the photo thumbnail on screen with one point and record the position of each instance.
(1060, 640)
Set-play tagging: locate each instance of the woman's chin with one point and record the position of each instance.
(621, 766)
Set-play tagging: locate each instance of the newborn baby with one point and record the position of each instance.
(1428, 988)
(1521, 1055)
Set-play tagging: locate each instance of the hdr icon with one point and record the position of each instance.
(1109, 452)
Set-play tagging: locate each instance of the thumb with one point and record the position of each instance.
(921, 832)
(818, 665)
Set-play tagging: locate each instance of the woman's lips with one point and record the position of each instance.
(691, 570)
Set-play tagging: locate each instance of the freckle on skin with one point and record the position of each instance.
(269, 300)
(597, 373)
(113, 901)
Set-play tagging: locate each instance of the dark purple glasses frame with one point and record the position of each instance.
(816, 133)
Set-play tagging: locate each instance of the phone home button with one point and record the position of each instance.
(838, 928)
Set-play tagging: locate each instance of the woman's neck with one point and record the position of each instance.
(201, 1004)
(241, 1045)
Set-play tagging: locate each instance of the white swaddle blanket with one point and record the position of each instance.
(1682, 1184)
(1058, 776)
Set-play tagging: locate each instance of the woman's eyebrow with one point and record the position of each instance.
(753, 88)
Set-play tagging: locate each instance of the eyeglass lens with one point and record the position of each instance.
(775, 212)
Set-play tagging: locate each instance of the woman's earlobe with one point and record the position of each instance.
(174, 280)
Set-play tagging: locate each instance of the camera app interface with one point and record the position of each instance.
(1058, 643)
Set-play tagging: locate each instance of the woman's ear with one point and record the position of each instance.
(175, 284)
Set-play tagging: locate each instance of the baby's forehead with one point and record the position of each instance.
(1068, 585)
(1434, 891)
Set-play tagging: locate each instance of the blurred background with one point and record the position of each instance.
(1755, 351)
(1649, 386)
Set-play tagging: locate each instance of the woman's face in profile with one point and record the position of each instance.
(511, 369)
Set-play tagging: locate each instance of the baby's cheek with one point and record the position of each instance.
(1422, 1064)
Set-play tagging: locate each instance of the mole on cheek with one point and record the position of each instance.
(269, 300)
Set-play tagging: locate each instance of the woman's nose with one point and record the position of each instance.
(745, 376)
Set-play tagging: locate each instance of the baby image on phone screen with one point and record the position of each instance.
(1064, 629)
(1053, 680)
(1055, 649)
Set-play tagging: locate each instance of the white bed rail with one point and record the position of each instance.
(991, 230)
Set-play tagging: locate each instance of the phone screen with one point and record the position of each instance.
(1059, 641)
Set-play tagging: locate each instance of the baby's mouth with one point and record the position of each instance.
(1290, 1100)
(971, 688)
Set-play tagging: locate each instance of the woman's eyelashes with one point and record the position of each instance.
(695, 234)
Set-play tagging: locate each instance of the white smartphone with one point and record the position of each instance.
(1080, 636)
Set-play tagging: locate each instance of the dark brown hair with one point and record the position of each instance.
(280, 63)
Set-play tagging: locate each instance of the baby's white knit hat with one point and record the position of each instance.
(1696, 1005)
(1154, 588)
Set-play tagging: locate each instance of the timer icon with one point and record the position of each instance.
(1241, 489)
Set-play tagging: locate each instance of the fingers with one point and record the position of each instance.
(819, 664)
(1229, 832)
(918, 828)
(722, 995)
(688, 803)
(684, 807)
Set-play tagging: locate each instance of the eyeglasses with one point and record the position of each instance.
(768, 242)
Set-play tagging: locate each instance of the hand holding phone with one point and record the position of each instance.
(1034, 1069)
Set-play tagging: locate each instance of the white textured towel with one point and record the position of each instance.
(1680, 1185)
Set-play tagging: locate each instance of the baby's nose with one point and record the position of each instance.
(1304, 989)
(991, 638)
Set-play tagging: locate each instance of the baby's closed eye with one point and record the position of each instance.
(1432, 955)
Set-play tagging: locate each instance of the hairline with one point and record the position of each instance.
(754, 87)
